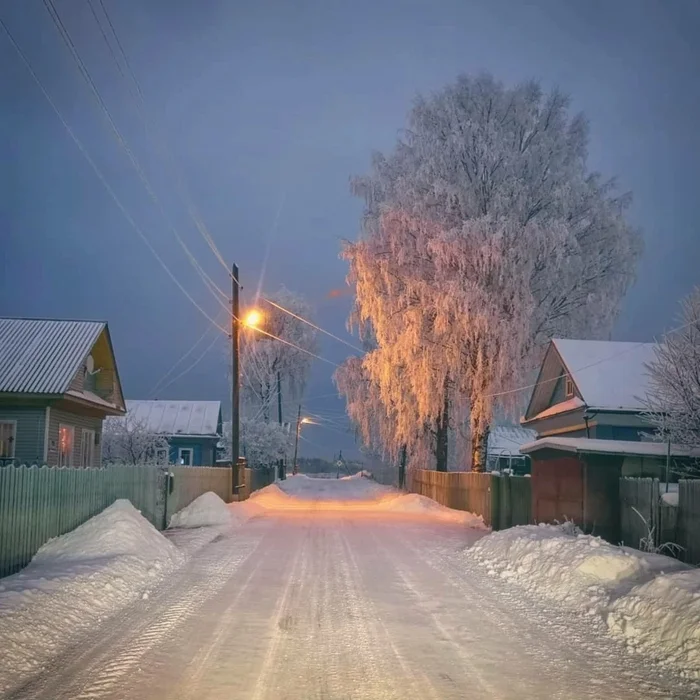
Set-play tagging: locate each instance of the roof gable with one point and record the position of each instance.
(177, 417)
(41, 356)
(609, 375)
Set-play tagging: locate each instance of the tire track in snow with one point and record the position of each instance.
(90, 670)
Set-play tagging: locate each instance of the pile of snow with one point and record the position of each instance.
(76, 580)
(414, 503)
(662, 618)
(207, 509)
(650, 601)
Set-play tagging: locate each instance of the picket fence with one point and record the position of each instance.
(39, 503)
(503, 501)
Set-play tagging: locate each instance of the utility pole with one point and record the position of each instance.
(402, 468)
(295, 469)
(282, 470)
(235, 377)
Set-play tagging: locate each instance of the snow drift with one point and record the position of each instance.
(649, 600)
(207, 509)
(76, 580)
(422, 505)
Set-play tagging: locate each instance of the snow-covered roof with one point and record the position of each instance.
(177, 418)
(41, 356)
(612, 447)
(609, 375)
(506, 439)
(563, 407)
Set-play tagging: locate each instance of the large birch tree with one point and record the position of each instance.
(484, 234)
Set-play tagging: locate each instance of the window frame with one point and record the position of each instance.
(13, 436)
(569, 386)
(71, 428)
(91, 443)
(180, 450)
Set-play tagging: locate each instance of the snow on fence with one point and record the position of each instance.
(39, 503)
(501, 500)
(644, 511)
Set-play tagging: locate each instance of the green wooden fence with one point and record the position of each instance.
(39, 503)
(502, 501)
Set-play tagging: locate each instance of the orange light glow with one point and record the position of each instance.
(252, 319)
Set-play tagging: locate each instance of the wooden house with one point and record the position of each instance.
(58, 381)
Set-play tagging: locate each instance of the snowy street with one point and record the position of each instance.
(327, 593)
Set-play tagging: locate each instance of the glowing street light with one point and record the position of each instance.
(252, 319)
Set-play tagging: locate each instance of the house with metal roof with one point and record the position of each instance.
(58, 382)
(192, 428)
(591, 388)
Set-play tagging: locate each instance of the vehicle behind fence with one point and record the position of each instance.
(502, 500)
(653, 517)
(39, 503)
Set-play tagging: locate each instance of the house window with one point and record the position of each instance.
(87, 449)
(66, 437)
(162, 456)
(8, 436)
(184, 456)
(569, 388)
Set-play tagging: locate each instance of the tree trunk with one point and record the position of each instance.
(402, 468)
(443, 423)
(480, 439)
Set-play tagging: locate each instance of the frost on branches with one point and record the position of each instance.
(128, 441)
(483, 236)
(262, 444)
(673, 402)
(263, 358)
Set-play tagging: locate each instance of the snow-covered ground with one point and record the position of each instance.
(651, 602)
(317, 589)
(75, 580)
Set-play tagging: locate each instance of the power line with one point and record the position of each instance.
(85, 73)
(193, 365)
(585, 367)
(100, 175)
(313, 325)
(182, 359)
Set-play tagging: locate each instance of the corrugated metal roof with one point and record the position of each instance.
(41, 356)
(506, 439)
(176, 417)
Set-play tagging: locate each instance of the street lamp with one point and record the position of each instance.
(300, 421)
(252, 319)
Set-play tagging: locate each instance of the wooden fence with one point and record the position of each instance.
(256, 479)
(502, 501)
(642, 510)
(39, 503)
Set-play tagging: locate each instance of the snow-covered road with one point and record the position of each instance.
(333, 598)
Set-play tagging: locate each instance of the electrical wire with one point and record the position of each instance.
(193, 365)
(85, 73)
(101, 176)
(179, 361)
(585, 367)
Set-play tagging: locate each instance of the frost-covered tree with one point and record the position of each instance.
(484, 235)
(127, 440)
(263, 443)
(264, 358)
(673, 401)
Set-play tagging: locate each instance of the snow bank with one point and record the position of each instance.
(650, 601)
(73, 582)
(416, 504)
(662, 618)
(207, 509)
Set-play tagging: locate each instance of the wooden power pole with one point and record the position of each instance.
(235, 377)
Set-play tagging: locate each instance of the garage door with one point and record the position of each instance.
(557, 490)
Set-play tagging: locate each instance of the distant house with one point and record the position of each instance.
(591, 388)
(192, 428)
(58, 381)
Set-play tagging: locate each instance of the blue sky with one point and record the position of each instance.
(269, 108)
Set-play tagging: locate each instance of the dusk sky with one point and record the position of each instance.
(269, 108)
